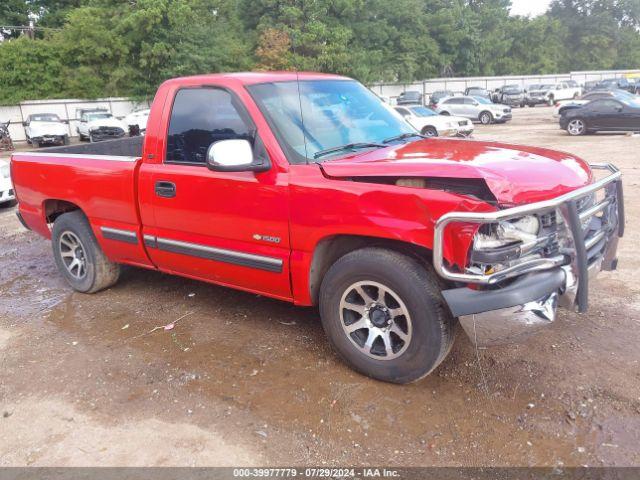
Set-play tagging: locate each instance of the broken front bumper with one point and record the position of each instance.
(520, 299)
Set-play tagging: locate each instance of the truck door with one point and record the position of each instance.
(225, 227)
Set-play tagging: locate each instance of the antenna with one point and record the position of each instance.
(302, 128)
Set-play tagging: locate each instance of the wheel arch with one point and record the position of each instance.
(329, 249)
(52, 208)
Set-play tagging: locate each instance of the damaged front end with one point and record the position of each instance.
(527, 260)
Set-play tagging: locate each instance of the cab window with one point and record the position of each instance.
(200, 117)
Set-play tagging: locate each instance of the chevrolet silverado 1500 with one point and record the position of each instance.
(306, 188)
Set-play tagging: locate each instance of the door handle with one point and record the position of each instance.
(165, 189)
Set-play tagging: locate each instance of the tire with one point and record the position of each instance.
(577, 127)
(575, 95)
(9, 204)
(551, 101)
(429, 131)
(35, 144)
(485, 118)
(91, 139)
(97, 272)
(428, 327)
(65, 140)
(445, 113)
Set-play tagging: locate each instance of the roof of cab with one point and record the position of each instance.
(251, 78)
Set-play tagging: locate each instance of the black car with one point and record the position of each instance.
(616, 83)
(604, 115)
(409, 98)
(439, 95)
(594, 95)
(477, 92)
(511, 95)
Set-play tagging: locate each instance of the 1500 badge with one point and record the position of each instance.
(266, 238)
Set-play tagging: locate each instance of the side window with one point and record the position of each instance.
(404, 112)
(454, 101)
(469, 101)
(200, 117)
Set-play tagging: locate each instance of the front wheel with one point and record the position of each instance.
(78, 256)
(486, 118)
(383, 313)
(550, 101)
(576, 127)
(429, 131)
(445, 113)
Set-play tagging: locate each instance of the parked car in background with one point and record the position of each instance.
(477, 109)
(511, 95)
(98, 125)
(138, 119)
(46, 129)
(590, 85)
(437, 96)
(620, 83)
(537, 94)
(409, 98)
(430, 124)
(605, 115)
(7, 195)
(561, 107)
(478, 92)
(563, 91)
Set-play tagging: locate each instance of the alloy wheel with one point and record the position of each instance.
(73, 255)
(576, 127)
(376, 320)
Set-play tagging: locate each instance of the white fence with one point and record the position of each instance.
(65, 109)
(120, 107)
(427, 87)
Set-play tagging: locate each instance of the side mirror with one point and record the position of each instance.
(234, 155)
(25, 124)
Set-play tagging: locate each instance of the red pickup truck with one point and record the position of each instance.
(307, 188)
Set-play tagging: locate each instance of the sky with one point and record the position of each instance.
(529, 7)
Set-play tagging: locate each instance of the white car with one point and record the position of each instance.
(99, 125)
(138, 118)
(477, 109)
(7, 195)
(562, 91)
(430, 124)
(45, 128)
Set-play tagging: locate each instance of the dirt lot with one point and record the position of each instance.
(247, 380)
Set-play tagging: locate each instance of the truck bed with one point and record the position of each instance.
(123, 147)
(99, 178)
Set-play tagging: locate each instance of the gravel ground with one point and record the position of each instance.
(244, 380)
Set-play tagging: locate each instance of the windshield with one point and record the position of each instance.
(423, 112)
(512, 90)
(97, 116)
(333, 113)
(630, 101)
(45, 117)
(483, 100)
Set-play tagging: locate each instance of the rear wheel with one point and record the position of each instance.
(486, 118)
(576, 127)
(384, 315)
(79, 257)
(35, 143)
(445, 113)
(551, 101)
(429, 131)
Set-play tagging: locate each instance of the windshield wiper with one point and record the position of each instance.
(348, 146)
(402, 136)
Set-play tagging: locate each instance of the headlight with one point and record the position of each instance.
(509, 232)
(4, 171)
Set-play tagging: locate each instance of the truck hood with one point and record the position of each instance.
(106, 122)
(515, 175)
(39, 129)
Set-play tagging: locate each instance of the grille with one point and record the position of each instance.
(462, 124)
